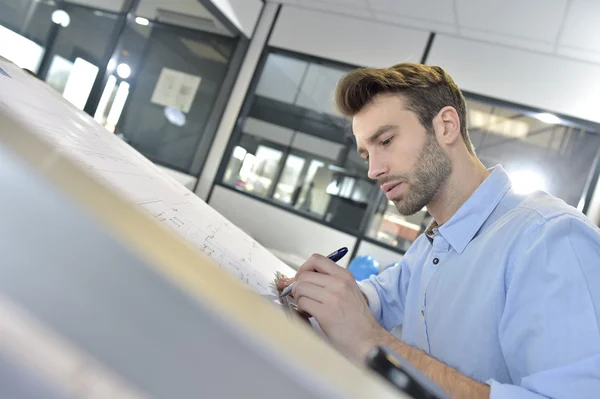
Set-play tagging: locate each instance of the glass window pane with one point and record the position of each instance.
(258, 171)
(391, 228)
(288, 182)
(78, 52)
(174, 89)
(317, 175)
(24, 30)
(318, 87)
(281, 78)
(537, 155)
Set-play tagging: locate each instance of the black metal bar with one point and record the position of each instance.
(115, 44)
(591, 183)
(44, 67)
(46, 60)
(428, 48)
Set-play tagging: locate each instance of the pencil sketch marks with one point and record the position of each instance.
(114, 162)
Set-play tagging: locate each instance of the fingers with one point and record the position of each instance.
(319, 279)
(309, 306)
(322, 264)
(309, 290)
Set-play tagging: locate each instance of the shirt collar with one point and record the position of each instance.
(466, 222)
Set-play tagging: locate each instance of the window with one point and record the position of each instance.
(76, 55)
(24, 29)
(176, 76)
(537, 149)
(293, 150)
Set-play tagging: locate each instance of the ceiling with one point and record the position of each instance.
(569, 28)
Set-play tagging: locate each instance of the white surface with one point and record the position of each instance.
(346, 39)
(79, 137)
(279, 229)
(243, 13)
(183, 178)
(236, 100)
(384, 256)
(565, 27)
(539, 80)
(56, 360)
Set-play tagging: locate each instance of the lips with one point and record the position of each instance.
(387, 187)
(392, 189)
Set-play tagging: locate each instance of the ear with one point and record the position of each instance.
(447, 126)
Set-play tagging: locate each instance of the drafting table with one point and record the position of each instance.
(104, 296)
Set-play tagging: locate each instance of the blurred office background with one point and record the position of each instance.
(234, 98)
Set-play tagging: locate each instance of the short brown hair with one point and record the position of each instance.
(427, 90)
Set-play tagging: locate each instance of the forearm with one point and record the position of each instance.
(451, 381)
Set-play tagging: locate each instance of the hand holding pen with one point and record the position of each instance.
(334, 256)
(329, 293)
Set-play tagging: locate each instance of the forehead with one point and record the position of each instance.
(384, 109)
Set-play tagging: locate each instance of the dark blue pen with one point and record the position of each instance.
(334, 256)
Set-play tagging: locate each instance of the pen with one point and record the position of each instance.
(334, 256)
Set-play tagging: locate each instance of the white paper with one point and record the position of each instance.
(77, 136)
(176, 89)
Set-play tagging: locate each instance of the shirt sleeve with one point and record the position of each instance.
(386, 294)
(549, 331)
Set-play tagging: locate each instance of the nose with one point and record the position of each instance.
(377, 169)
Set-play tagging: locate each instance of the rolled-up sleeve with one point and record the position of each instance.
(549, 331)
(386, 294)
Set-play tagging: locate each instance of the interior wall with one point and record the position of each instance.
(346, 39)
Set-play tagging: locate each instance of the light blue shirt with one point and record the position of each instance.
(507, 292)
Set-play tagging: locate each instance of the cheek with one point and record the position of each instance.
(402, 156)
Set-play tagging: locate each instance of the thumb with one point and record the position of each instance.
(282, 283)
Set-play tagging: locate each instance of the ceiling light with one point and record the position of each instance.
(548, 118)
(142, 21)
(175, 116)
(61, 17)
(124, 71)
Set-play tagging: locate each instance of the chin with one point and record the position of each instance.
(402, 208)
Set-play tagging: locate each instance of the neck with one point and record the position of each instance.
(466, 176)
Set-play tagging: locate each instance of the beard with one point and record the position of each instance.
(431, 171)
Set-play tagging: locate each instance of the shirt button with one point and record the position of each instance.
(423, 312)
(436, 261)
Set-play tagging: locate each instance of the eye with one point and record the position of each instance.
(366, 158)
(387, 141)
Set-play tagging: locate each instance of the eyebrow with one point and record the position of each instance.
(381, 130)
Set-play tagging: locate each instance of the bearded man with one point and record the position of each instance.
(500, 297)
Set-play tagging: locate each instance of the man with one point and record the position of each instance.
(500, 297)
